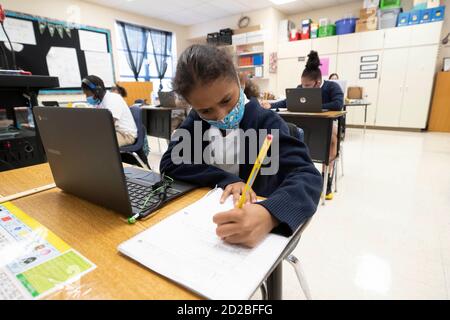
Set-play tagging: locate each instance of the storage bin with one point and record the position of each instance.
(414, 17)
(258, 59)
(438, 13)
(327, 31)
(403, 19)
(390, 4)
(345, 26)
(388, 18)
(225, 36)
(426, 15)
(212, 38)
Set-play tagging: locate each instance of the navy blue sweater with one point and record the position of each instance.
(292, 194)
(332, 97)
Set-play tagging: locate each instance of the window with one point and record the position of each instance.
(148, 71)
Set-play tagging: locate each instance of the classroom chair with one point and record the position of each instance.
(136, 150)
(294, 262)
(287, 254)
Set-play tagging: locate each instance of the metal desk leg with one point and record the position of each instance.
(365, 118)
(325, 183)
(275, 283)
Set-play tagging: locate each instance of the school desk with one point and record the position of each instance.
(96, 232)
(318, 129)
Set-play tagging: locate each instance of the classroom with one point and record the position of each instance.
(264, 150)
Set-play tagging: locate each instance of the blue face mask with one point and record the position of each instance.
(92, 101)
(232, 120)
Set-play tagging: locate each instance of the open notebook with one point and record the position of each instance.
(185, 248)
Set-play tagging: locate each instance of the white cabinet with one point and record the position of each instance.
(417, 35)
(326, 45)
(290, 72)
(418, 86)
(373, 40)
(406, 86)
(425, 34)
(349, 43)
(362, 41)
(397, 37)
(349, 70)
(294, 49)
(390, 95)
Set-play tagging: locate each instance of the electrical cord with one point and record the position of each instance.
(13, 54)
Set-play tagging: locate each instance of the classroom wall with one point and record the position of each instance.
(92, 15)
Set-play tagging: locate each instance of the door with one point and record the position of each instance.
(390, 94)
(418, 86)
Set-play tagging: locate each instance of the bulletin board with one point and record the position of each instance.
(56, 48)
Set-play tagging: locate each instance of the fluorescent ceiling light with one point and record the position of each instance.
(277, 2)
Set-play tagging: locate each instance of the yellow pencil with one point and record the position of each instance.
(259, 160)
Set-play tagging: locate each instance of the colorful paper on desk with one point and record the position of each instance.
(34, 262)
(185, 248)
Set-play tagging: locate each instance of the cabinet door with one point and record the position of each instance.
(328, 45)
(294, 49)
(289, 74)
(397, 37)
(390, 95)
(426, 34)
(418, 86)
(372, 40)
(347, 69)
(349, 43)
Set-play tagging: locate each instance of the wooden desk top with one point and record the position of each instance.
(96, 232)
(328, 114)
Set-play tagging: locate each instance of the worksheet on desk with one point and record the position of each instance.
(185, 248)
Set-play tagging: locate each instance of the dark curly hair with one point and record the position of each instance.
(312, 69)
(202, 65)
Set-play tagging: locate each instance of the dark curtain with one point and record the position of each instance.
(162, 47)
(134, 39)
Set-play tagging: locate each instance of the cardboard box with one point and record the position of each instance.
(355, 93)
(364, 25)
(368, 13)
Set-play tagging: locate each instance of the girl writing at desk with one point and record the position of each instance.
(207, 79)
(332, 99)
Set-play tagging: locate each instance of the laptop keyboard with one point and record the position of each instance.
(139, 194)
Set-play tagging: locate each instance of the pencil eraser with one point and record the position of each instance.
(269, 137)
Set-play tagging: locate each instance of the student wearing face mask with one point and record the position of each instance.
(97, 96)
(332, 99)
(207, 79)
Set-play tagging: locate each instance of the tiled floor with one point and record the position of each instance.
(386, 234)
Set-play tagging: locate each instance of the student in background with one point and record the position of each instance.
(119, 90)
(97, 96)
(332, 99)
(207, 79)
(333, 76)
(250, 88)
